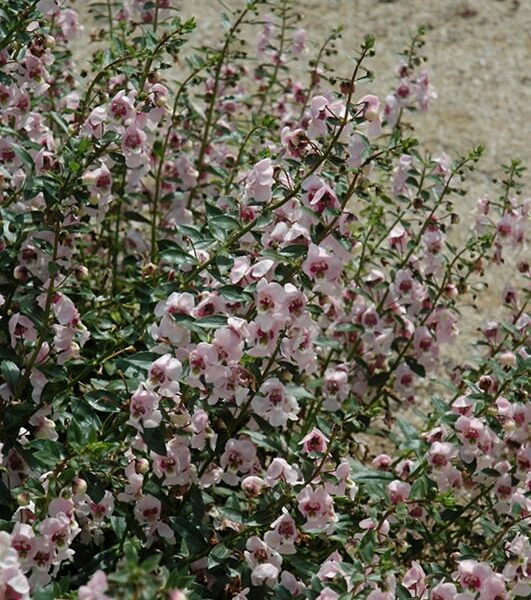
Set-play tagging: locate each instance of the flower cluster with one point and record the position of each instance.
(226, 291)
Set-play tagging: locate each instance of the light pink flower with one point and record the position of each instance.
(415, 580)
(143, 409)
(315, 441)
(275, 404)
(281, 470)
(238, 457)
(164, 374)
(284, 534)
(21, 329)
(260, 182)
(264, 562)
(317, 506)
(398, 491)
(444, 591)
(321, 265)
(95, 588)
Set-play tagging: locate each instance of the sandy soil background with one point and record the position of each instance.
(479, 59)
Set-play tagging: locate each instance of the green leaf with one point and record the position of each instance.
(155, 439)
(218, 555)
(144, 360)
(10, 373)
(367, 546)
(24, 156)
(48, 453)
(415, 366)
(222, 225)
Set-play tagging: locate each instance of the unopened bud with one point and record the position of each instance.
(141, 466)
(371, 114)
(177, 595)
(81, 273)
(23, 499)
(79, 486)
(451, 291)
(523, 266)
(347, 87)
(21, 273)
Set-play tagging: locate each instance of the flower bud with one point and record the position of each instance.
(81, 273)
(177, 595)
(523, 266)
(371, 114)
(451, 291)
(141, 466)
(79, 486)
(21, 273)
(23, 499)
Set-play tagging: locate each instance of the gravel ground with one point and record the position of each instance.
(479, 59)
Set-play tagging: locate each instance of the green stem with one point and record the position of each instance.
(212, 102)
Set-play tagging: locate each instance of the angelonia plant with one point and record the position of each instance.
(227, 278)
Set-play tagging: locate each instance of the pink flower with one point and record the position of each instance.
(94, 124)
(444, 591)
(264, 561)
(133, 147)
(327, 594)
(95, 588)
(479, 577)
(23, 540)
(122, 106)
(284, 534)
(336, 386)
(228, 341)
(370, 110)
(21, 329)
(299, 42)
(400, 175)
(238, 457)
(188, 174)
(201, 429)
(274, 404)
(147, 512)
(175, 468)
(317, 506)
(281, 470)
(359, 150)
(13, 583)
(252, 486)
(318, 195)
(58, 530)
(135, 481)
(103, 509)
(398, 491)
(99, 178)
(322, 109)
(382, 462)
(295, 141)
(164, 374)
(315, 441)
(415, 580)
(67, 21)
(440, 454)
(263, 341)
(321, 266)
(260, 182)
(143, 409)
